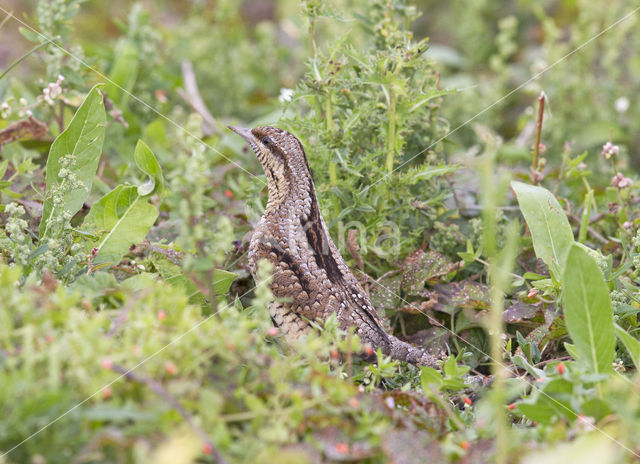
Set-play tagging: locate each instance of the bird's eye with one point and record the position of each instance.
(266, 140)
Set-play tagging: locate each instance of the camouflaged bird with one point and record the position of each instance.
(309, 275)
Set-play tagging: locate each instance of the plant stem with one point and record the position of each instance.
(391, 129)
(586, 214)
(499, 275)
(536, 147)
(19, 60)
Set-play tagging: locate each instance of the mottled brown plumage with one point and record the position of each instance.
(308, 272)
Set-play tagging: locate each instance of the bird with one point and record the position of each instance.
(311, 280)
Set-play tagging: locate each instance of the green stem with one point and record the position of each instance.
(586, 214)
(391, 130)
(19, 60)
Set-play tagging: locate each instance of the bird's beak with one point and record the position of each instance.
(244, 133)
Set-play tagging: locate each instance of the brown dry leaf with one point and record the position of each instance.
(31, 129)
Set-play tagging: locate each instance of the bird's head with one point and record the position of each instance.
(281, 155)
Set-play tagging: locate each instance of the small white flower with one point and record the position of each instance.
(622, 104)
(285, 95)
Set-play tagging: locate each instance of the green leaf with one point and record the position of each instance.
(587, 310)
(81, 142)
(550, 230)
(126, 218)
(124, 73)
(430, 377)
(148, 164)
(630, 343)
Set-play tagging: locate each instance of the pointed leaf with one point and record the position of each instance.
(550, 230)
(147, 163)
(81, 142)
(126, 218)
(587, 310)
(630, 343)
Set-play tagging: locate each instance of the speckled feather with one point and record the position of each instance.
(310, 279)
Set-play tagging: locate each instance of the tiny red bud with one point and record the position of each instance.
(162, 315)
(228, 193)
(170, 368)
(466, 400)
(368, 349)
(273, 331)
(94, 251)
(465, 445)
(107, 363)
(560, 368)
(354, 403)
(533, 292)
(334, 354)
(342, 448)
(539, 380)
(512, 406)
(161, 95)
(106, 392)
(207, 448)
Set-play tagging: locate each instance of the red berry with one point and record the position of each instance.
(465, 445)
(368, 349)
(162, 315)
(512, 406)
(228, 193)
(342, 448)
(466, 400)
(107, 363)
(560, 368)
(170, 368)
(207, 448)
(273, 331)
(106, 392)
(533, 292)
(334, 354)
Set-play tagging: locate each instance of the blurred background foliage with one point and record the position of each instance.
(372, 88)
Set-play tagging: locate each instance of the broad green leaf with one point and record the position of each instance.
(550, 230)
(80, 144)
(430, 377)
(125, 218)
(124, 73)
(630, 343)
(148, 164)
(587, 310)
